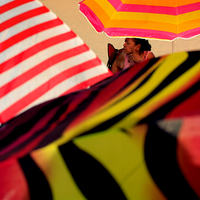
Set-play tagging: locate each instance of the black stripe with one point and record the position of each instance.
(94, 181)
(141, 72)
(168, 107)
(62, 108)
(38, 185)
(160, 156)
(23, 123)
(193, 58)
(161, 112)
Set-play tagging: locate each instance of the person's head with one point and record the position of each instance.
(136, 44)
(144, 44)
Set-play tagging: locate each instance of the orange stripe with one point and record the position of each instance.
(188, 25)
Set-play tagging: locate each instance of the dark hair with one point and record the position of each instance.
(145, 46)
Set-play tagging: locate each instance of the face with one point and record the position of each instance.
(130, 46)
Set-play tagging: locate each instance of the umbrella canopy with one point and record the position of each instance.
(40, 58)
(167, 19)
(134, 135)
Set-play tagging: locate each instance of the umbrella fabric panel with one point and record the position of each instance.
(154, 19)
(41, 58)
(130, 131)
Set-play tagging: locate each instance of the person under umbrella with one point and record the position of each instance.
(135, 51)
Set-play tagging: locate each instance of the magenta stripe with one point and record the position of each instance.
(189, 8)
(190, 33)
(94, 20)
(128, 32)
(144, 33)
(120, 7)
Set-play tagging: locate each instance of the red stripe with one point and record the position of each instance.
(110, 90)
(12, 5)
(29, 32)
(28, 99)
(10, 150)
(89, 109)
(35, 49)
(18, 81)
(88, 82)
(34, 142)
(24, 138)
(22, 17)
(190, 106)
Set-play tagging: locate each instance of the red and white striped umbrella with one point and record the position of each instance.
(40, 58)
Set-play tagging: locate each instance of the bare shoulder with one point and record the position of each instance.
(150, 55)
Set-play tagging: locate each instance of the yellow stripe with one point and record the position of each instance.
(59, 177)
(189, 25)
(104, 115)
(131, 87)
(153, 17)
(161, 73)
(109, 111)
(147, 17)
(143, 25)
(115, 151)
(168, 91)
(187, 17)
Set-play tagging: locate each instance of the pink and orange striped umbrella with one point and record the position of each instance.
(166, 19)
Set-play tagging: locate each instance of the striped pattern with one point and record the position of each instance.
(167, 20)
(40, 58)
(136, 132)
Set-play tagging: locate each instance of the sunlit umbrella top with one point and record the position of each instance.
(166, 20)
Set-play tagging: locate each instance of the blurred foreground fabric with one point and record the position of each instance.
(134, 135)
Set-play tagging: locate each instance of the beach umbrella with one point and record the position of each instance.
(163, 20)
(134, 135)
(40, 58)
(166, 19)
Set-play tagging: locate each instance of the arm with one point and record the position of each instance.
(118, 63)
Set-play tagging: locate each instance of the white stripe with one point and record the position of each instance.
(68, 84)
(43, 77)
(32, 41)
(4, 2)
(36, 59)
(29, 23)
(19, 10)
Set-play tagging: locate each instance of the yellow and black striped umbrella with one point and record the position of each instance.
(166, 19)
(134, 135)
